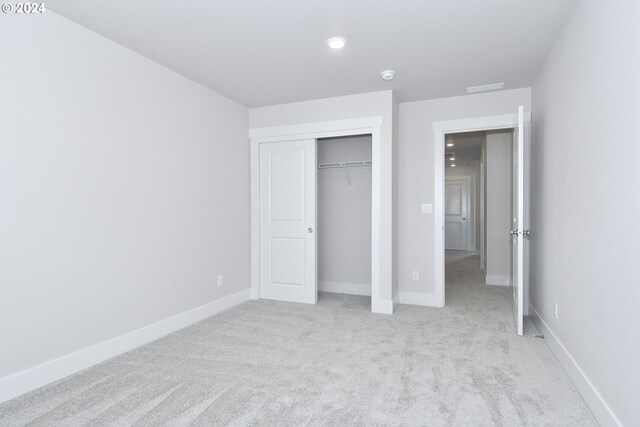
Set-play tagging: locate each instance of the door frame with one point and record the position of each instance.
(440, 129)
(471, 214)
(336, 128)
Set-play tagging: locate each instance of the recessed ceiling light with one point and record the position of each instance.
(388, 74)
(452, 158)
(450, 144)
(336, 42)
(485, 88)
(453, 166)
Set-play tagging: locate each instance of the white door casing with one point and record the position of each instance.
(517, 228)
(381, 226)
(288, 221)
(456, 219)
(440, 129)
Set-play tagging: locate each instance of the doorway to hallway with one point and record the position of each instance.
(496, 235)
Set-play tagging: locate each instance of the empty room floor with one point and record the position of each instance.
(335, 363)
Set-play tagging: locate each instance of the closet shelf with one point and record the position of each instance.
(344, 164)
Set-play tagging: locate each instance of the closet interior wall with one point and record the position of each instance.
(344, 216)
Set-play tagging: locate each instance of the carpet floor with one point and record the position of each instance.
(335, 363)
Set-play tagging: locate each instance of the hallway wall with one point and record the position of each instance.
(586, 109)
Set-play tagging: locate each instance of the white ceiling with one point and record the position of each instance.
(268, 52)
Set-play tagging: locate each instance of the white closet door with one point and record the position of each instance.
(288, 221)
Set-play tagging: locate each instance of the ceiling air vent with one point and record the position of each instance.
(485, 88)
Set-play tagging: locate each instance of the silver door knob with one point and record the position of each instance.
(514, 232)
(310, 230)
(527, 234)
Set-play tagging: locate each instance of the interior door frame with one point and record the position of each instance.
(336, 128)
(440, 130)
(470, 228)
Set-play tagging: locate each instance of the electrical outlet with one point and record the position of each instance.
(415, 276)
(220, 280)
(555, 310)
(427, 208)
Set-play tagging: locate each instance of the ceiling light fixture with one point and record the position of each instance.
(450, 144)
(388, 74)
(453, 166)
(485, 88)
(452, 158)
(336, 42)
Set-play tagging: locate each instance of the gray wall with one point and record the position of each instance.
(124, 191)
(585, 232)
(498, 208)
(344, 217)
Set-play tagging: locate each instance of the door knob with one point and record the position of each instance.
(527, 234)
(514, 232)
(310, 230)
(464, 219)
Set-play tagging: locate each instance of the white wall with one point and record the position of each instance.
(344, 217)
(498, 208)
(124, 191)
(585, 202)
(416, 180)
(348, 107)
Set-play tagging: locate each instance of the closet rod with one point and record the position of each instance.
(344, 164)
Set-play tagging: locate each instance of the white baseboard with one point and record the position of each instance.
(492, 279)
(53, 370)
(382, 306)
(345, 288)
(589, 393)
(419, 298)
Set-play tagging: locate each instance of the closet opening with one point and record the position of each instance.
(344, 213)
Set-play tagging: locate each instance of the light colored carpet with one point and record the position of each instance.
(273, 363)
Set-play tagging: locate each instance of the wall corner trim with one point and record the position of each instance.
(587, 390)
(32, 378)
(382, 306)
(420, 298)
(497, 280)
(345, 288)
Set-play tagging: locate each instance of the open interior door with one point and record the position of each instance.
(518, 231)
(287, 221)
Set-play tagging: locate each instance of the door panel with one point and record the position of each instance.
(287, 221)
(286, 189)
(287, 261)
(518, 258)
(455, 214)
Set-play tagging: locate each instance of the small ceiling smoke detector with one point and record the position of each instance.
(336, 42)
(485, 88)
(388, 74)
